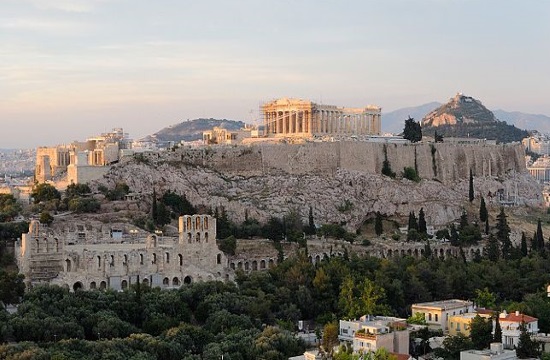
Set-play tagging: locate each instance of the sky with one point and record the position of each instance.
(72, 69)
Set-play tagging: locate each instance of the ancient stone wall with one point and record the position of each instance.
(444, 162)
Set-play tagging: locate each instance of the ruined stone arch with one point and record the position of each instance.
(415, 253)
(145, 281)
(262, 264)
(254, 265)
(390, 253)
(77, 286)
(246, 266)
(175, 281)
(103, 285)
(409, 252)
(232, 266)
(93, 285)
(187, 280)
(68, 267)
(239, 265)
(271, 263)
(124, 284)
(317, 258)
(165, 281)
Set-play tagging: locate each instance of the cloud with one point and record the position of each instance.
(42, 24)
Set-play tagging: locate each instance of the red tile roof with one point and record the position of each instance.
(518, 318)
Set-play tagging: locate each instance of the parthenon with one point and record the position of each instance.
(288, 117)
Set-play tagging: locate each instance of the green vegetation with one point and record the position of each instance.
(411, 174)
(412, 130)
(9, 208)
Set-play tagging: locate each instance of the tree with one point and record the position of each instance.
(412, 130)
(483, 213)
(378, 227)
(481, 332)
(330, 337)
(497, 336)
(410, 174)
(422, 228)
(523, 246)
(503, 234)
(311, 229)
(44, 192)
(471, 189)
(438, 137)
(452, 346)
(413, 224)
(154, 207)
(485, 298)
(46, 218)
(386, 169)
(539, 241)
(527, 347)
(492, 250)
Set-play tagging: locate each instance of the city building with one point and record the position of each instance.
(510, 325)
(540, 169)
(437, 313)
(84, 257)
(537, 143)
(287, 117)
(461, 323)
(371, 333)
(495, 352)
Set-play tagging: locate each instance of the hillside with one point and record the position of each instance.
(464, 116)
(538, 122)
(191, 130)
(394, 121)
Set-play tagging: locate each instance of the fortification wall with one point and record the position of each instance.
(444, 162)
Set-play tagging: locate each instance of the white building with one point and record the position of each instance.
(372, 333)
(510, 325)
(495, 352)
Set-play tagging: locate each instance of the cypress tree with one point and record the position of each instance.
(487, 226)
(413, 224)
(540, 237)
(523, 246)
(492, 251)
(154, 208)
(311, 230)
(378, 227)
(503, 234)
(471, 190)
(497, 337)
(422, 228)
(483, 213)
(527, 348)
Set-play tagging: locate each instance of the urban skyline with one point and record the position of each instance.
(73, 68)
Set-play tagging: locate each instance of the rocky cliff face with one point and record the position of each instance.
(341, 181)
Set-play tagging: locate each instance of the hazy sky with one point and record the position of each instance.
(70, 69)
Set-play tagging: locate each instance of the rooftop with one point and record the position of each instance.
(444, 304)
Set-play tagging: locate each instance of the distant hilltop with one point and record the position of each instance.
(464, 116)
(191, 130)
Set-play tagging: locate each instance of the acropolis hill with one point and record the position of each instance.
(267, 180)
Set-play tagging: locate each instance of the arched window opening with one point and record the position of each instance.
(154, 260)
(68, 265)
(175, 281)
(219, 259)
(205, 237)
(56, 245)
(188, 223)
(166, 281)
(205, 223)
(198, 238)
(262, 264)
(189, 238)
(187, 280)
(77, 286)
(180, 260)
(124, 284)
(125, 260)
(99, 262)
(93, 285)
(102, 285)
(37, 246)
(141, 259)
(167, 257)
(112, 261)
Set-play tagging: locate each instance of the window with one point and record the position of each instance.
(429, 316)
(180, 259)
(436, 317)
(458, 326)
(219, 259)
(154, 261)
(167, 258)
(99, 261)
(141, 259)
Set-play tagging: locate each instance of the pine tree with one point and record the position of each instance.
(463, 220)
(427, 250)
(471, 190)
(487, 226)
(422, 228)
(454, 235)
(483, 213)
(412, 130)
(523, 246)
(503, 234)
(378, 227)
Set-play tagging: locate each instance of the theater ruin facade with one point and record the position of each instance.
(288, 117)
(87, 258)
